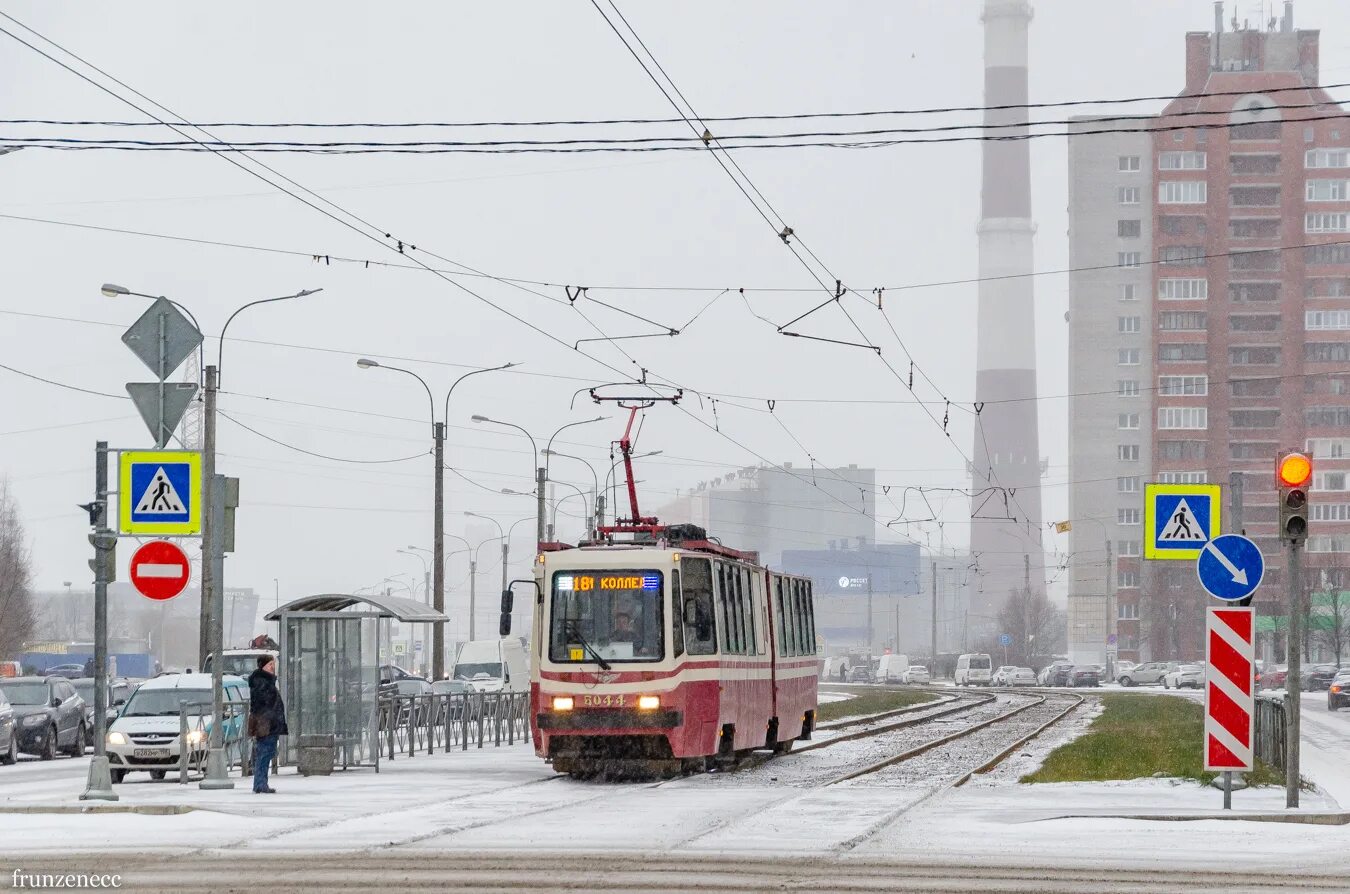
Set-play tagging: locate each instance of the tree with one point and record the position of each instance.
(17, 612)
(1327, 608)
(1035, 626)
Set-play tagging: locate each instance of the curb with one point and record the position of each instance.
(143, 809)
(1313, 819)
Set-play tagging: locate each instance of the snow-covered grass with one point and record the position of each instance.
(871, 701)
(1137, 736)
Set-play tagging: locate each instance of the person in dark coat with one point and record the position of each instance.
(266, 720)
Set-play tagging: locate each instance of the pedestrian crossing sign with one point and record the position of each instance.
(1180, 519)
(159, 492)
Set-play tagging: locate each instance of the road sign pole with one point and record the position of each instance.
(1294, 574)
(99, 784)
(208, 583)
(216, 775)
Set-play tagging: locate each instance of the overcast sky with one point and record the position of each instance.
(884, 217)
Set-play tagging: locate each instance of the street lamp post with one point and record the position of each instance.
(553, 517)
(438, 499)
(213, 541)
(426, 571)
(540, 476)
(595, 488)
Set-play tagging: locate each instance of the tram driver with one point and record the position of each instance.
(625, 631)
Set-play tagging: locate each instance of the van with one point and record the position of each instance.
(147, 736)
(891, 668)
(493, 665)
(836, 668)
(973, 669)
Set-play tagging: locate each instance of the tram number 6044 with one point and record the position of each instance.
(603, 701)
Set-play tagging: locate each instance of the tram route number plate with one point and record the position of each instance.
(604, 701)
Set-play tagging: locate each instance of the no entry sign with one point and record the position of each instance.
(160, 570)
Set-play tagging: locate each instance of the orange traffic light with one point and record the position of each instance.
(1294, 470)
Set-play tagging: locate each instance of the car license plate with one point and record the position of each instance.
(150, 752)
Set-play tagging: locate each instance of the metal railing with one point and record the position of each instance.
(409, 724)
(1270, 731)
(192, 718)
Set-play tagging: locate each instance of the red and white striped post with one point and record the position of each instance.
(1230, 691)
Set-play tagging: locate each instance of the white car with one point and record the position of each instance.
(147, 734)
(916, 673)
(1003, 676)
(1184, 676)
(1124, 667)
(1021, 676)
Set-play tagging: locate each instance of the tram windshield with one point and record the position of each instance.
(614, 615)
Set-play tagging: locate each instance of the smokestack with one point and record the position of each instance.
(1007, 441)
(1287, 23)
(1218, 30)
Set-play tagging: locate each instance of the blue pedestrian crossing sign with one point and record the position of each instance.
(1179, 519)
(1230, 567)
(159, 492)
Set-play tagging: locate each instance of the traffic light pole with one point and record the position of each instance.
(99, 785)
(1294, 575)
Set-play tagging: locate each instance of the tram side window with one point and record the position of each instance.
(789, 600)
(780, 637)
(700, 628)
(803, 647)
(810, 618)
(751, 640)
(677, 629)
(742, 612)
(723, 608)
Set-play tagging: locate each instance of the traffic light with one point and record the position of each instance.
(1293, 474)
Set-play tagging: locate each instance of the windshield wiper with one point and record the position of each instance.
(575, 628)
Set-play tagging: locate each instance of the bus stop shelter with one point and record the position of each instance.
(332, 648)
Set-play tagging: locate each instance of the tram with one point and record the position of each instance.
(658, 650)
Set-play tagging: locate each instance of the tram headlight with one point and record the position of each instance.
(562, 702)
(649, 702)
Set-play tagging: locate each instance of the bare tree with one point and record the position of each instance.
(1327, 606)
(1035, 626)
(17, 612)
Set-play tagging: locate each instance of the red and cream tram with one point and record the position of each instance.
(668, 656)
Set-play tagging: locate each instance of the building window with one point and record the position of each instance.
(1324, 222)
(1330, 512)
(1334, 544)
(1127, 485)
(1327, 254)
(1327, 158)
(1188, 477)
(1128, 292)
(1127, 387)
(1326, 287)
(1181, 352)
(1183, 417)
(1327, 190)
(1127, 453)
(1254, 164)
(1127, 549)
(1181, 161)
(1127, 580)
(1182, 321)
(1127, 357)
(1326, 351)
(1182, 255)
(1128, 229)
(1127, 421)
(1185, 289)
(1254, 196)
(1254, 227)
(1183, 386)
(1182, 450)
(1254, 356)
(1330, 481)
(1255, 260)
(1127, 516)
(1325, 384)
(1328, 448)
(1326, 319)
(1128, 163)
(1183, 192)
(1128, 195)
(1251, 450)
(1329, 417)
(1128, 258)
(1254, 322)
(1127, 324)
(1254, 387)
(1254, 418)
(1249, 292)
(1127, 611)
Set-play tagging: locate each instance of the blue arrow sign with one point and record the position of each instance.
(1230, 567)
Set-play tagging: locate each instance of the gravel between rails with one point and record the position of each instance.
(948, 762)
(824, 765)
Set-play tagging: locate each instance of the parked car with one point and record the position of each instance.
(1184, 676)
(1319, 677)
(414, 686)
(1085, 675)
(118, 692)
(916, 673)
(1123, 668)
(1150, 673)
(1022, 676)
(1273, 678)
(973, 669)
(239, 662)
(860, 673)
(147, 734)
(1338, 693)
(69, 671)
(50, 715)
(9, 732)
(1002, 675)
(1058, 674)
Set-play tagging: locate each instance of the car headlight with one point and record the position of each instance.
(196, 737)
(562, 702)
(649, 702)
(117, 739)
(35, 720)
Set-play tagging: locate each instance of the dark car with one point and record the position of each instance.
(1338, 693)
(118, 693)
(1319, 676)
(50, 714)
(1085, 675)
(9, 732)
(1059, 675)
(69, 671)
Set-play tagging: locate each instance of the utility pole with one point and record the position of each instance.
(473, 591)
(933, 619)
(216, 775)
(540, 480)
(209, 583)
(1292, 698)
(871, 635)
(438, 551)
(1108, 598)
(104, 541)
(506, 552)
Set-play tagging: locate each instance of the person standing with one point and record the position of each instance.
(266, 720)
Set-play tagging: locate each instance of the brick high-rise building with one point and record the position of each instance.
(1218, 332)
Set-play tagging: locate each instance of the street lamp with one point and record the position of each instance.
(595, 487)
(438, 498)
(553, 519)
(505, 547)
(426, 571)
(212, 629)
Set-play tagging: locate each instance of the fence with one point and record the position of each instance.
(1270, 731)
(425, 723)
(194, 738)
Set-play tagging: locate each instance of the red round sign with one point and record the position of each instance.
(160, 570)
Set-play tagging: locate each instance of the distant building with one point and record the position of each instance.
(847, 582)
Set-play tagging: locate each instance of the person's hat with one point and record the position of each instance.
(264, 660)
